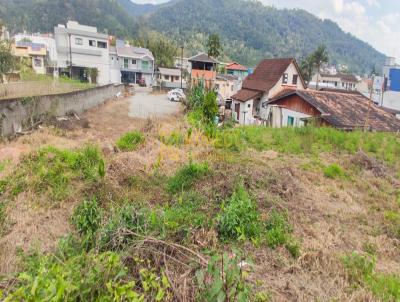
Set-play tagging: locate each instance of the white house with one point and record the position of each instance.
(81, 47)
(170, 78)
(270, 78)
(339, 81)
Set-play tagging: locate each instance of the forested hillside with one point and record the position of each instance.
(249, 30)
(43, 15)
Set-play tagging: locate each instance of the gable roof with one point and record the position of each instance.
(170, 71)
(235, 66)
(268, 73)
(227, 77)
(244, 95)
(346, 111)
(134, 52)
(203, 57)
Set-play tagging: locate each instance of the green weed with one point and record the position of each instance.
(130, 141)
(185, 177)
(334, 171)
(361, 272)
(87, 220)
(239, 218)
(392, 220)
(174, 139)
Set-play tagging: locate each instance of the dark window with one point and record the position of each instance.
(295, 77)
(78, 41)
(248, 106)
(285, 78)
(133, 62)
(92, 43)
(290, 121)
(102, 44)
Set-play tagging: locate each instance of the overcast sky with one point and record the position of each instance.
(374, 21)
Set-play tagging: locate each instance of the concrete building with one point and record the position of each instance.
(81, 48)
(336, 81)
(135, 64)
(169, 78)
(203, 70)
(35, 54)
(236, 69)
(227, 85)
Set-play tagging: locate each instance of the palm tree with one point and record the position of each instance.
(214, 46)
(306, 68)
(319, 57)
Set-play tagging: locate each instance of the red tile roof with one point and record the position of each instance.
(346, 111)
(267, 74)
(235, 66)
(244, 95)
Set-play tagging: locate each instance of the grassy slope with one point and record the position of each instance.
(317, 198)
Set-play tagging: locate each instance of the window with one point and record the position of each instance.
(145, 65)
(92, 43)
(37, 62)
(295, 77)
(101, 44)
(176, 78)
(336, 84)
(249, 105)
(126, 63)
(78, 41)
(166, 77)
(133, 62)
(290, 121)
(285, 78)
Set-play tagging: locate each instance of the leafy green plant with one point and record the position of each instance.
(334, 171)
(239, 218)
(130, 141)
(186, 176)
(87, 219)
(224, 280)
(210, 107)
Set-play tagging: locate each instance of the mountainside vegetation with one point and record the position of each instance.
(249, 30)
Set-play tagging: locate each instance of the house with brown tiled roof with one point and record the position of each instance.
(271, 76)
(344, 111)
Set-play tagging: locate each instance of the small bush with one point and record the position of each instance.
(239, 218)
(185, 177)
(87, 219)
(392, 220)
(130, 141)
(334, 171)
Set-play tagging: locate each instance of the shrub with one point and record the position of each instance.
(87, 219)
(185, 177)
(130, 141)
(334, 171)
(392, 220)
(196, 96)
(210, 107)
(239, 218)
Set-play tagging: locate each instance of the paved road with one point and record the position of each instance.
(144, 105)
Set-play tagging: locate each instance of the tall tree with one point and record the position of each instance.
(214, 46)
(307, 68)
(6, 59)
(319, 57)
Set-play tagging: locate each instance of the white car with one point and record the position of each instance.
(176, 96)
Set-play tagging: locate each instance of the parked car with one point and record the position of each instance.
(142, 83)
(176, 96)
(178, 90)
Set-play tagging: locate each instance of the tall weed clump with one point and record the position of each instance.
(130, 141)
(186, 176)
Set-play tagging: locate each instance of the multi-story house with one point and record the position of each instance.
(270, 78)
(238, 70)
(35, 53)
(338, 81)
(203, 69)
(80, 49)
(135, 64)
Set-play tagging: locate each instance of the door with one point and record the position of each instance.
(237, 110)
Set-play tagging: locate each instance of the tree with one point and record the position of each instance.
(6, 59)
(214, 46)
(319, 57)
(307, 68)
(162, 48)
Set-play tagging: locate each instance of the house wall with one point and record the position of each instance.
(244, 119)
(20, 113)
(227, 88)
(83, 55)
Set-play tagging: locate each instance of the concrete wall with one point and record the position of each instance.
(22, 113)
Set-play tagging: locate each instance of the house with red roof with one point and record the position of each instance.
(236, 69)
(270, 78)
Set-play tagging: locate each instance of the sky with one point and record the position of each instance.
(373, 21)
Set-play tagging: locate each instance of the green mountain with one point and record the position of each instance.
(43, 15)
(252, 31)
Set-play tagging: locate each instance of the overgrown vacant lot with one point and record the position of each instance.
(167, 214)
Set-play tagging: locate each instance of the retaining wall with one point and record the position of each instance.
(19, 114)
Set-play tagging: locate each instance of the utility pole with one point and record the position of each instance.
(70, 56)
(182, 67)
(369, 104)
